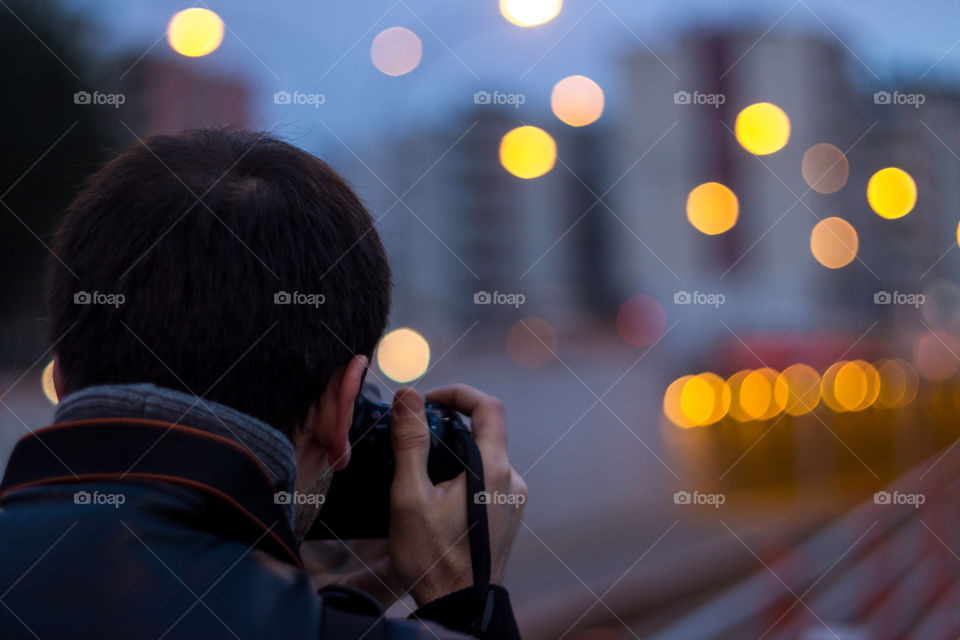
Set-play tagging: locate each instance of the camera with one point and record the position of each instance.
(358, 502)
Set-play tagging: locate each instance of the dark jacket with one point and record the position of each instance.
(121, 528)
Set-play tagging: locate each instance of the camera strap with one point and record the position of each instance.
(478, 529)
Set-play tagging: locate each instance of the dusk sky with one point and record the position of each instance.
(324, 47)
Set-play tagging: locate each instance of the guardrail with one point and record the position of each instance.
(890, 568)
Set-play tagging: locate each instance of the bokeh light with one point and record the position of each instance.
(849, 386)
(721, 394)
(641, 320)
(757, 394)
(834, 242)
(195, 32)
(672, 405)
(935, 355)
(828, 387)
(872, 379)
(697, 400)
(403, 355)
(529, 13)
(734, 383)
(892, 193)
(532, 342)
(893, 384)
(825, 168)
(798, 389)
(528, 152)
(704, 399)
(46, 381)
(577, 101)
(940, 306)
(396, 51)
(913, 383)
(762, 128)
(899, 383)
(712, 208)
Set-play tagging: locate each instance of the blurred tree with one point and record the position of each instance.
(50, 143)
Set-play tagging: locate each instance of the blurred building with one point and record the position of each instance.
(167, 95)
(913, 252)
(467, 227)
(684, 104)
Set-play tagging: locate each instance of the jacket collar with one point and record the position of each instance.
(146, 401)
(124, 448)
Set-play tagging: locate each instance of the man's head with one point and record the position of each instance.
(250, 274)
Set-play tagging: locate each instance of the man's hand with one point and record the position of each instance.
(428, 543)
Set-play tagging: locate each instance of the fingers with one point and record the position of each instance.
(487, 417)
(410, 438)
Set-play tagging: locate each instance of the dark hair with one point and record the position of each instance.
(202, 233)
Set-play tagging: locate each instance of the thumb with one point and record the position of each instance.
(410, 438)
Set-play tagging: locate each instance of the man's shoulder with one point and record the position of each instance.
(146, 565)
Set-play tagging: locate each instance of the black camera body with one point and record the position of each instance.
(358, 502)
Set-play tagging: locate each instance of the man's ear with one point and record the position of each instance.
(57, 379)
(333, 417)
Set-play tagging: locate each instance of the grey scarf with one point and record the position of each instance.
(150, 402)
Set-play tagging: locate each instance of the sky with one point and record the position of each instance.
(323, 46)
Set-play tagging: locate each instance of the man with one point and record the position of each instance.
(214, 299)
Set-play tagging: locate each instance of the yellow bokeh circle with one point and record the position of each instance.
(734, 384)
(528, 152)
(849, 386)
(195, 32)
(704, 399)
(529, 13)
(762, 128)
(758, 397)
(712, 208)
(672, 405)
(697, 400)
(892, 193)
